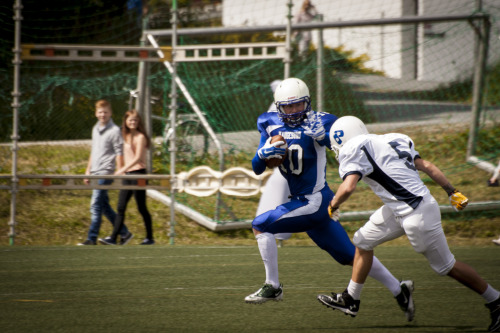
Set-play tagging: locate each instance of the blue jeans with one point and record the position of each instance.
(99, 205)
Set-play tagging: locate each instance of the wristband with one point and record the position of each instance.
(332, 208)
(452, 191)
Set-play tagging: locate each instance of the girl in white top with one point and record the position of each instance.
(135, 146)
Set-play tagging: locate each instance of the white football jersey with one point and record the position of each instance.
(386, 164)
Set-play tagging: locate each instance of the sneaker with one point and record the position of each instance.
(405, 299)
(496, 241)
(495, 315)
(343, 302)
(107, 241)
(147, 241)
(125, 239)
(87, 242)
(264, 294)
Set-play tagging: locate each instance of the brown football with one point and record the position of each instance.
(274, 162)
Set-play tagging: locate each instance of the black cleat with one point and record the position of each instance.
(343, 302)
(495, 315)
(405, 299)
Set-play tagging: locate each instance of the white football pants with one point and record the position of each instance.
(422, 227)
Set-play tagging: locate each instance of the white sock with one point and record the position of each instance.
(354, 289)
(491, 294)
(269, 253)
(380, 273)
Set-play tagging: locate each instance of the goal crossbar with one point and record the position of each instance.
(120, 53)
(318, 25)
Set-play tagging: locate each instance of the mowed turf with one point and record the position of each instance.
(202, 289)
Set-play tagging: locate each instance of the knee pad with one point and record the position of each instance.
(443, 269)
(361, 242)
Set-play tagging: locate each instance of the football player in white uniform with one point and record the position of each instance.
(389, 164)
(304, 169)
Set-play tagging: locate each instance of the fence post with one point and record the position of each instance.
(173, 111)
(483, 37)
(142, 103)
(288, 47)
(15, 121)
(320, 69)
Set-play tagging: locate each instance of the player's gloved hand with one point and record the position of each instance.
(313, 126)
(334, 213)
(269, 150)
(458, 201)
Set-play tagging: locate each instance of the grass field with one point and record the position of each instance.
(201, 289)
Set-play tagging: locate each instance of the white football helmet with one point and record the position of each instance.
(343, 130)
(291, 91)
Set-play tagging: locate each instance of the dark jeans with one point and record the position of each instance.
(99, 205)
(140, 199)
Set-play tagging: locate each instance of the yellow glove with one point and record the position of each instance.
(458, 201)
(334, 213)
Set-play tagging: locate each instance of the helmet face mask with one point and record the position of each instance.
(343, 130)
(292, 91)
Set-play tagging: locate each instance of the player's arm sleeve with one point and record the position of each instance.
(354, 161)
(328, 121)
(258, 165)
(411, 145)
(353, 173)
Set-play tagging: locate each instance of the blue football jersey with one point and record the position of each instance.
(304, 167)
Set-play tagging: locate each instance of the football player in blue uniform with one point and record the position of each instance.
(304, 169)
(390, 165)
